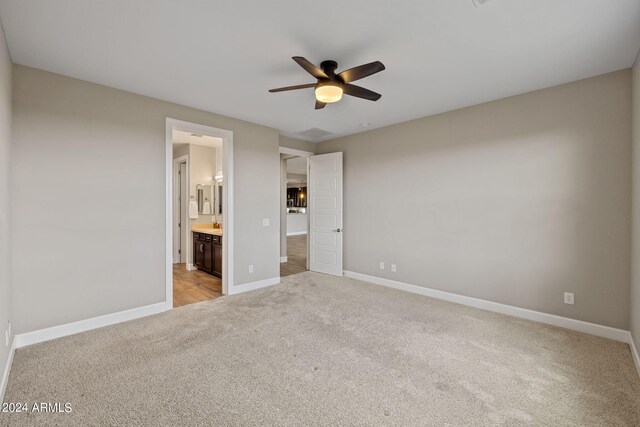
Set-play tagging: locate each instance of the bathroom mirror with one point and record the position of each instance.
(205, 199)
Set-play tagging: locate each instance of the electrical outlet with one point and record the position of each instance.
(393, 268)
(381, 265)
(265, 222)
(251, 269)
(569, 298)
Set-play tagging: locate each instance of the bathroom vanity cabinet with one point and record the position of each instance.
(207, 253)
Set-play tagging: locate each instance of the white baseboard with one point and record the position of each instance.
(634, 352)
(284, 259)
(7, 369)
(549, 319)
(297, 233)
(252, 286)
(191, 267)
(53, 332)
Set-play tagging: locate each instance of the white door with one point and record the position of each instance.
(184, 220)
(325, 213)
(179, 195)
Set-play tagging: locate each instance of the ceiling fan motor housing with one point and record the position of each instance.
(329, 67)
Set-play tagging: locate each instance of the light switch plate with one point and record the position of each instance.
(7, 334)
(265, 222)
(569, 298)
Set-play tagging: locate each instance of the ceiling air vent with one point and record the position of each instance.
(315, 133)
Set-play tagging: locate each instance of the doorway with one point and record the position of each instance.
(294, 221)
(311, 223)
(199, 213)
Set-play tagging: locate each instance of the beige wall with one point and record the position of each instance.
(180, 150)
(298, 176)
(635, 270)
(77, 256)
(298, 144)
(513, 201)
(5, 229)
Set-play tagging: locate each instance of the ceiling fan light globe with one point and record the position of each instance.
(328, 93)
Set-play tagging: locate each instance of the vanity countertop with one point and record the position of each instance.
(206, 228)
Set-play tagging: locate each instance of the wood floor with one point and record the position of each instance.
(193, 286)
(296, 256)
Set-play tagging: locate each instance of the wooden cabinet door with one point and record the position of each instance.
(207, 257)
(197, 251)
(217, 260)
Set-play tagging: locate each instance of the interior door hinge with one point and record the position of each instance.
(179, 251)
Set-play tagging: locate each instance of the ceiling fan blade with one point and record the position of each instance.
(357, 73)
(360, 92)
(282, 89)
(310, 68)
(320, 105)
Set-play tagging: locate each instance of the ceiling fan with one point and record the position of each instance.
(330, 86)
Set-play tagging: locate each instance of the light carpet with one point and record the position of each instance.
(320, 350)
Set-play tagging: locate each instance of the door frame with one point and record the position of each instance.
(292, 152)
(177, 206)
(227, 203)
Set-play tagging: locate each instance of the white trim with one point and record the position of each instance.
(227, 203)
(176, 207)
(228, 255)
(294, 152)
(168, 268)
(7, 370)
(41, 335)
(252, 286)
(549, 319)
(297, 233)
(284, 259)
(310, 195)
(634, 353)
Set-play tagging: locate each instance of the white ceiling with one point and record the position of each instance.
(182, 137)
(223, 56)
